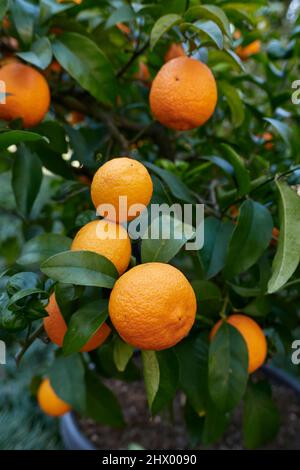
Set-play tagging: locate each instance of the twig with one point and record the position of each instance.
(28, 343)
(134, 56)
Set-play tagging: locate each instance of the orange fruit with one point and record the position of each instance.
(237, 34)
(143, 73)
(107, 239)
(75, 117)
(175, 50)
(254, 338)
(56, 328)
(183, 94)
(247, 51)
(121, 177)
(49, 402)
(268, 138)
(28, 94)
(152, 306)
(123, 28)
(275, 236)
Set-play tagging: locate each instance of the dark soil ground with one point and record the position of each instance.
(161, 433)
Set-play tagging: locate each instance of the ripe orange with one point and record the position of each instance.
(247, 51)
(143, 73)
(75, 117)
(268, 138)
(56, 328)
(275, 236)
(107, 239)
(175, 50)
(49, 402)
(253, 336)
(121, 177)
(183, 94)
(152, 306)
(123, 28)
(28, 94)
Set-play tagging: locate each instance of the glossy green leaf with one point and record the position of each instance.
(23, 15)
(242, 176)
(40, 54)
(216, 240)
(161, 374)
(84, 323)
(163, 24)
(164, 238)
(247, 243)
(283, 129)
(101, 404)
(288, 250)
(119, 15)
(122, 353)
(192, 354)
(209, 298)
(234, 101)
(227, 367)
(43, 246)
(87, 64)
(26, 179)
(210, 12)
(207, 30)
(16, 137)
(177, 188)
(82, 268)
(261, 418)
(67, 379)
(49, 8)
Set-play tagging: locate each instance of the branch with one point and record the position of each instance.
(28, 343)
(93, 110)
(134, 56)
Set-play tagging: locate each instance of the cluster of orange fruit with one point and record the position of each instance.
(152, 306)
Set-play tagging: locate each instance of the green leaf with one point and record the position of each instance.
(207, 30)
(87, 64)
(43, 246)
(169, 236)
(26, 179)
(82, 268)
(101, 404)
(151, 375)
(23, 15)
(55, 136)
(122, 353)
(84, 323)
(161, 375)
(288, 250)
(168, 379)
(120, 15)
(209, 297)
(162, 25)
(3, 8)
(210, 12)
(216, 239)
(241, 173)
(215, 424)
(247, 241)
(234, 101)
(227, 367)
(217, 58)
(49, 8)
(15, 137)
(283, 129)
(261, 419)
(177, 188)
(67, 379)
(192, 354)
(40, 54)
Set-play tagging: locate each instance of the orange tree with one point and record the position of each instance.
(220, 129)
